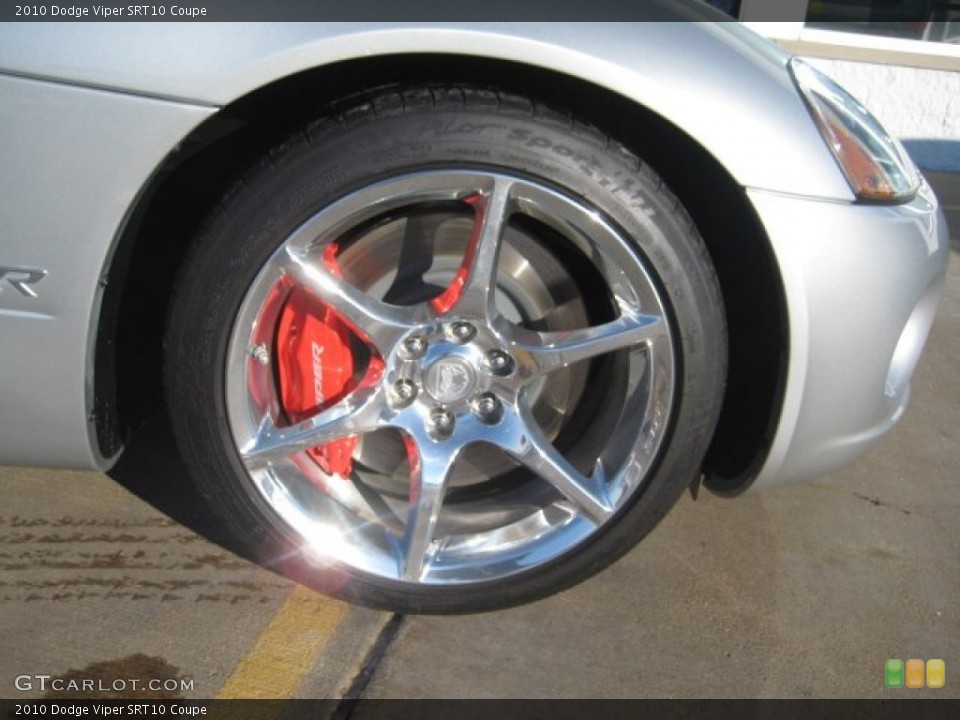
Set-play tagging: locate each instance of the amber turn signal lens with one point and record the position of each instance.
(874, 163)
(861, 170)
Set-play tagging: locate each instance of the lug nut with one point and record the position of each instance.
(414, 347)
(440, 424)
(261, 354)
(499, 362)
(461, 332)
(487, 407)
(404, 392)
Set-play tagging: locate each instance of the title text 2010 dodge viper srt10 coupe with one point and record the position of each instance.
(452, 314)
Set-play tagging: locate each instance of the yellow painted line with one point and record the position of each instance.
(286, 649)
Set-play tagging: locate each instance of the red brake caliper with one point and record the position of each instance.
(316, 363)
(316, 368)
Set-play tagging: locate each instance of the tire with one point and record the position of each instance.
(371, 419)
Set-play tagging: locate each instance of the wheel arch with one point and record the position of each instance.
(197, 174)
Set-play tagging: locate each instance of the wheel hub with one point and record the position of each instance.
(450, 379)
(447, 372)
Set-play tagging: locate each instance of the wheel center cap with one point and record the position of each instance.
(450, 379)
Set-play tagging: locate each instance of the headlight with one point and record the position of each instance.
(876, 165)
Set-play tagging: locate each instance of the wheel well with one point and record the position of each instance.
(197, 175)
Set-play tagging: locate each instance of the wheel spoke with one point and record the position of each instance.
(360, 412)
(373, 319)
(256, 364)
(539, 455)
(428, 484)
(550, 351)
(493, 208)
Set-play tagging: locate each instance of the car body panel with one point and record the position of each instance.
(717, 83)
(851, 356)
(81, 158)
(88, 112)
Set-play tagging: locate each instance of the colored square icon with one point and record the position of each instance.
(936, 673)
(915, 673)
(893, 673)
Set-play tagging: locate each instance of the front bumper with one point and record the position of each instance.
(862, 284)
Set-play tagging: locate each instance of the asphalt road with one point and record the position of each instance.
(803, 591)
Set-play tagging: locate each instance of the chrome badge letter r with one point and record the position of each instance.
(21, 278)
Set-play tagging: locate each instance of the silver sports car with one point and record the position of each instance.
(446, 317)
